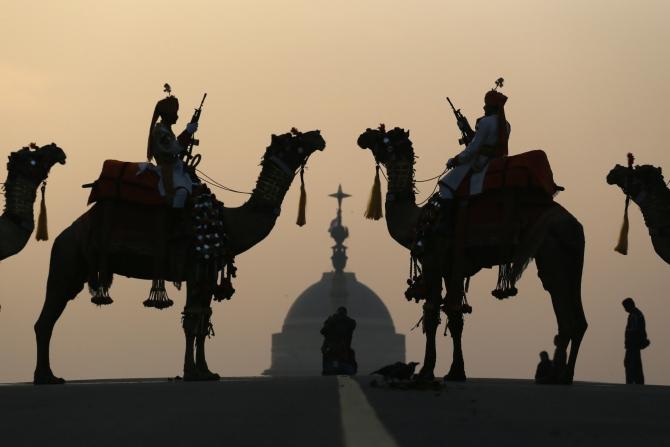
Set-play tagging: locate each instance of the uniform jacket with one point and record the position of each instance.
(472, 159)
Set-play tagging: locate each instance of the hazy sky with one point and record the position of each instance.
(587, 82)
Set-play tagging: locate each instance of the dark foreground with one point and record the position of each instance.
(316, 411)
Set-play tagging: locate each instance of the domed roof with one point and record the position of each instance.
(336, 289)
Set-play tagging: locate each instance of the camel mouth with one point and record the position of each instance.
(616, 175)
(612, 178)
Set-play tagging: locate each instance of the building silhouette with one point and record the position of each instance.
(296, 349)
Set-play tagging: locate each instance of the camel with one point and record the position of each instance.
(26, 169)
(646, 187)
(245, 226)
(555, 241)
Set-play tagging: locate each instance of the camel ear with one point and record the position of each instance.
(407, 133)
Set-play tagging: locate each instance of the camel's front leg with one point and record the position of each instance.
(197, 327)
(52, 310)
(66, 280)
(431, 315)
(201, 361)
(455, 324)
(431, 321)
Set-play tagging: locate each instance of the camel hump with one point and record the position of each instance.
(127, 181)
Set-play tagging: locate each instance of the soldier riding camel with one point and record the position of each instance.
(491, 210)
(490, 140)
(164, 147)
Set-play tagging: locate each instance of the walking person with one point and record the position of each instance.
(635, 340)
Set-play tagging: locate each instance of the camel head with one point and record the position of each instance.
(387, 145)
(637, 179)
(294, 148)
(35, 162)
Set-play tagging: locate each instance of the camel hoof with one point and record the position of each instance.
(200, 376)
(209, 376)
(47, 379)
(424, 377)
(455, 377)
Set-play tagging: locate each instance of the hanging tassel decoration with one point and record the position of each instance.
(622, 245)
(302, 204)
(158, 297)
(42, 232)
(374, 209)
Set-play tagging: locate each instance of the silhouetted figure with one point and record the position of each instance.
(338, 357)
(165, 148)
(397, 371)
(636, 340)
(489, 141)
(545, 373)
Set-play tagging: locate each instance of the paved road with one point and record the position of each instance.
(329, 411)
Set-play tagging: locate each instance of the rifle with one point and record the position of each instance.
(194, 141)
(462, 123)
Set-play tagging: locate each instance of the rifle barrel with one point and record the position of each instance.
(452, 106)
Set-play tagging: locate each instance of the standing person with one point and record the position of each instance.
(338, 331)
(635, 341)
(165, 148)
(544, 374)
(489, 141)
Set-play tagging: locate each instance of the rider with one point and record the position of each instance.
(165, 148)
(489, 141)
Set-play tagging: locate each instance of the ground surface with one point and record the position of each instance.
(329, 411)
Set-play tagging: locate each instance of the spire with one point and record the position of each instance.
(339, 232)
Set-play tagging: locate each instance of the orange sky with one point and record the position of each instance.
(587, 83)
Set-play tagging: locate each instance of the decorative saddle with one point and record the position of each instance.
(133, 224)
(528, 170)
(126, 181)
(518, 190)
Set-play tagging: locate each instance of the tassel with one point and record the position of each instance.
(374, 210)
(622, 245)
(302, 204)
(42, 233)
(101, 296)
(158, 297)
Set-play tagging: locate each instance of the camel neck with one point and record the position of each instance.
(655, 208)
(20, 195)
(272, 184)
(401, 178)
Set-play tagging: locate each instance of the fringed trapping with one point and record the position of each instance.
(158, 297)
(302, 204)
(42, 231)
(374, 209)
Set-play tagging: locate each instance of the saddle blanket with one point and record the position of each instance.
(127, 181)
(528, 170)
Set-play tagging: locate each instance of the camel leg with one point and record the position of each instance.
(431, 311)
(200, 359)
(560, 262)
(196, 323)
(431, 321)
(66, 279)
(190, 371)
(191, 322)
(455, 324)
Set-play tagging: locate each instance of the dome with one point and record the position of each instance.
(296, 350)
(322, 298)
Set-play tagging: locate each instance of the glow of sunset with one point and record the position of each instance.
(587, 82)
